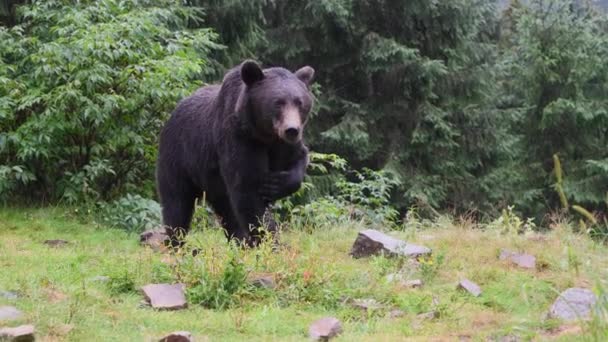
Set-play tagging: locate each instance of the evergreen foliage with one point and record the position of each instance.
(457, 105)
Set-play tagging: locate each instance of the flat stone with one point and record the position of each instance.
(325, 328)
(372, 242)
(9, 313)
(521, 260)
(367, 304)
(428, 315)
(10, 295)
(396, 313)
(262, 280)
(573, 304)
(154, 238)
(165, 296)
(23, 333)
(178, 336)
(470, 287)
(414, 283)
(56, 243)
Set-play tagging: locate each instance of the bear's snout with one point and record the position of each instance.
(292, 133)
(290, 125)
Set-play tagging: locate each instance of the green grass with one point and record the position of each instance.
(315, 278)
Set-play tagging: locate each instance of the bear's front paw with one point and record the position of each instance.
(273, 185)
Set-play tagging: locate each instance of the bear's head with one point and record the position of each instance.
(277, 101)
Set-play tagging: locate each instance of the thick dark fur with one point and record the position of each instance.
(223, 141)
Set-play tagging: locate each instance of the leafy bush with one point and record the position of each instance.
(84, 89)
(332, 193)
(132, 213)
(219, 290)
(372, 193)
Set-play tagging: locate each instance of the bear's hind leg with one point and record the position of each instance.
(177, 214)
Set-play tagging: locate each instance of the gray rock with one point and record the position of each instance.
(470, 287)
(154, 238)
(372, 242)
(262, 280)
(23, 333)
(573, 304)
(367, 304)
(56, 243)
(325, 328)
(428, 315)
(521, 260)
(10, 295)
(9, 313)
(414, 283)
(165, 296)
(396, 313)
(178, 336)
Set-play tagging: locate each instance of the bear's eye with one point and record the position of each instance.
(279, 103)
(297, 102)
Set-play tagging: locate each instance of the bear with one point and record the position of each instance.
(238, 143)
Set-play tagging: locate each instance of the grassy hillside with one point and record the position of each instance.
(315, 277)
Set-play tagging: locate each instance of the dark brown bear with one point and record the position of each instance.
(240, 143)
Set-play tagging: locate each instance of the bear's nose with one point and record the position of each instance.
(292, 133)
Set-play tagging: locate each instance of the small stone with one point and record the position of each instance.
(154, 238)
(396, 313)
(367, 304)
(100, 279)
(56, 243)
(165, 296)
(178, 336)
(263, 281)
(23, 333)
(428, 315)
(470, 287)
(521, 260)
(412, 283)
(325, 328)
(372, 242)
(395, 277)
(9, 313)
(10, 295)
(573, 304)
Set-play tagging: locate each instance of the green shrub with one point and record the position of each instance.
(219, 291)
(84, 89)
(132, 213)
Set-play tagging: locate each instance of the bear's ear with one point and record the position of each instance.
(251, 72)
(306, 74)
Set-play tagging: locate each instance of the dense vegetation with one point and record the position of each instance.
(460, 105)
(461, 125)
